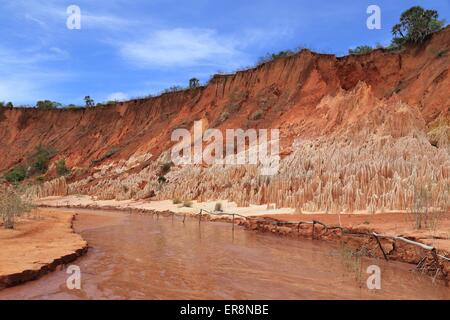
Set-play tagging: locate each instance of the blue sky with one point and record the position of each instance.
(129, 48)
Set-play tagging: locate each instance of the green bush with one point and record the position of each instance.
(61, 168)
(47, 104)
(256, 115)
(223, 116)
(16, 174)
(6, 105)
(40, 179)
(235, 101)
(165, 168)
(40, 158)
(273, 56)
(107, 155)
(442, 53)
(173, 89)
(11, 206)
(187, 204)
(359, 50)
(73, 107)
(162, 180)
(218, 207)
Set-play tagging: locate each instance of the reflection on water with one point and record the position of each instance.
(142, 257)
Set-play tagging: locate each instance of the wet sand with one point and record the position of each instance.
(37, 245)
(145, 257)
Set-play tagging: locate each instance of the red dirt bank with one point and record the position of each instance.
(38, 246)
(292, 86)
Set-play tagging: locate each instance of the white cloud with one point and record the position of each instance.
(117, 96)
(182, 48)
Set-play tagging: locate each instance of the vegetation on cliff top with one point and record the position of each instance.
(415, 26)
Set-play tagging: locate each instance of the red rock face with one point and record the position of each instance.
(372, 99)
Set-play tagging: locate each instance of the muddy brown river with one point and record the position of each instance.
(144, 257)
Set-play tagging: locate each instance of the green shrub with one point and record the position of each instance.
(47, 104)
(359, 50)
(16, 174)
(165, 168)
(11, 206)
(442, 53)
(40, 158)
(187, 204)
(235, 101)
(162, 180)
(73, 107)
(218, 207)
(224, 116)
(40, 179)
(173, 89)
(37, 162)
(256, 115)
(273, 56)
(107, 155)
(61, 168)
(6, 105)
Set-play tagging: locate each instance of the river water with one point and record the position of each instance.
(145, 257)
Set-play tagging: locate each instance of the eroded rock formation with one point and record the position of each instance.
(357, 133)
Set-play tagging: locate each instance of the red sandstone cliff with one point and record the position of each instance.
(370, 128)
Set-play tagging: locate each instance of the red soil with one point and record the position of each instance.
(37, 246)
(291, 87)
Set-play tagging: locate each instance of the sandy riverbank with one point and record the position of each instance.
(37, 246)
(160, 206)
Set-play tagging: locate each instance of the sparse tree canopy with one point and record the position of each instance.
(47, 104)
(416, 24)
(194, 83)
(89, 102)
